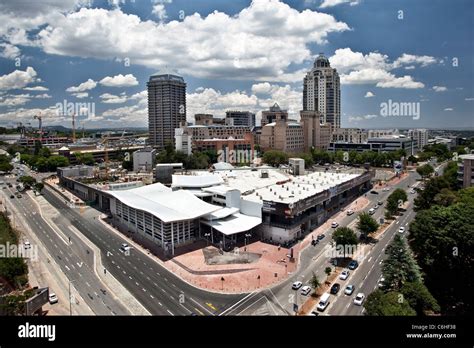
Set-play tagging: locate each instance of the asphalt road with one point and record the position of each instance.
(157, 289)
(80, 274)
(280, 299)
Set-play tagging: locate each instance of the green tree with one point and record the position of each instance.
(393, 201)
(314, 282)
(387, 304)
(425, 170)
(328, 271)
(419, 298)
(56, 161)
(366, 224)
(344, 237)
(27, 181)
(275, 158)
(400, 266)
(39, 187)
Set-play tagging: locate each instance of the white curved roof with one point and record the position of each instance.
(163, 203)
(196, 180)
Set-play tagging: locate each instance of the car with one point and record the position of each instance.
(412, 191)
(323, 302)
(350, 212)
(53, 298)
(385, 189)
(381, 282)
(344, 275)
(334, 224)
(379, 203)
(353, 265)
(371, 211)
(125, 247)
(376, 207)
(12, 196)
(335, 288)
(18, 196)
(4, 187)
(359, 299)
(314, 242)
(296, 285)
(305, 290)
(374, 192)
(401, 230)
(314, 313)
(27, 244)
(349, 289)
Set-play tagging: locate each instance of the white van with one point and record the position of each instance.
(371, 211)
(323, 302)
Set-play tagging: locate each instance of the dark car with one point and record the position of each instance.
(12, 196)
(335, 288)
(321, 236)
(314, 242)
(374, 192)
(353, 265)
(379, 202)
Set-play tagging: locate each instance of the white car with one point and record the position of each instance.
(296, 285)
(385, 189)
(412, 192)
(334, 224)
(359, 299)
(344, 275)
(27, 245)
(349, 289)
(125, 247)
(401, 230)
(53, 298)
(371, 211)
(350, 212)
(305, 290)
(381, 283)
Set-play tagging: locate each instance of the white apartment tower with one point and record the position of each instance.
(322, 92)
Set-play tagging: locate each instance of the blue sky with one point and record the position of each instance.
(236, 55)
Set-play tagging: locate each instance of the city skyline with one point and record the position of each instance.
(244, 67)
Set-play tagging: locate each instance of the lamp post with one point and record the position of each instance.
(247, 235)
(207, 235)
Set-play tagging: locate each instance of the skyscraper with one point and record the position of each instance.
(166, 107)
(322, 92)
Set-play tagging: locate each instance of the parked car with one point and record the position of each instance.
(349, 289)
(305, 290)
(335, 288)
(18, 196)
(381, 282)
(53, 298)
(412, 191)
(12, 196)
(314, 242)
(379, 202)
(353, 265)
(27, 245)
(374, 192)
(321, 236)
(314, 313)
(334, 224)
(124, 247)
(401, 230)
(376, 207)
(359, 299)
(344, 275)
(323, 302)
(296, 285)
(350, 212)
(371, 211)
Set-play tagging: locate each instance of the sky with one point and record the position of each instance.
(95, 57)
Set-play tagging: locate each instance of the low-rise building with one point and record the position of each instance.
(466, 170)
(144, 160)
(350, 135)
(275, 113)
(282, 136)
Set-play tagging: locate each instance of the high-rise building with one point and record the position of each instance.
(275, 113)
(166, 107)
(420, 135)
(315, 134)
(322, 92)
(240, 118)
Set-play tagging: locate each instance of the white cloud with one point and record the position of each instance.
(159, 9)
(81, 95)
(261, 88)
(244, 46)
(356, 119)
(331, 3)
(369, 94)
(410, 59)
(85, 86)
(9, 51)
(36, 89)
(42, 96)
(439, 89)
(108, 98)
(18, 79)
(20, 99)
(448, 109)
(469, 99)
(373, 68)
(119, 81)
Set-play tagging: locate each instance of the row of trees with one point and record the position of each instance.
(197, 160)
(402, 292)
(5, 165)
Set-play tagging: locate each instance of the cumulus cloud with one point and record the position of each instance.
(36, 89)
(85, 86)
(369, 94)
(448, 109)
(375, 68)
(332, 3)
(9, 51)
(215, 46)
(108, 98)
(18, 79)
(439, 89)
(356, 119)
(119, 81)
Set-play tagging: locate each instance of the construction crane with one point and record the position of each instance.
(22, 129)
(40, 124)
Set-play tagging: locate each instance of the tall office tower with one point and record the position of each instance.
(322, 92)
(240, 118)
(166, 107)
(315, 134)
(274, 114)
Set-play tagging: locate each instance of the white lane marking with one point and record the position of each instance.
(67, 268)
(169, 312)
(370, 258)
(88, 284)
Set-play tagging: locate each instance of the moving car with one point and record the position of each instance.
(350, 212)
(323, 302)
(53, 298)
(374, 192)
(359, 299)
(305, 290)
(334, 224)
(18, 196)
(349, 289)
(401, 230)
(381, 282)
(27, 245)
(314, 242)
(314, 313)
(12, 196)
(335, 288)
(344, 275)
(296, 285)
(125, 247)
(379, 202)
(371, 211)
(321, 236)
(353, 265)
(376, 207)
